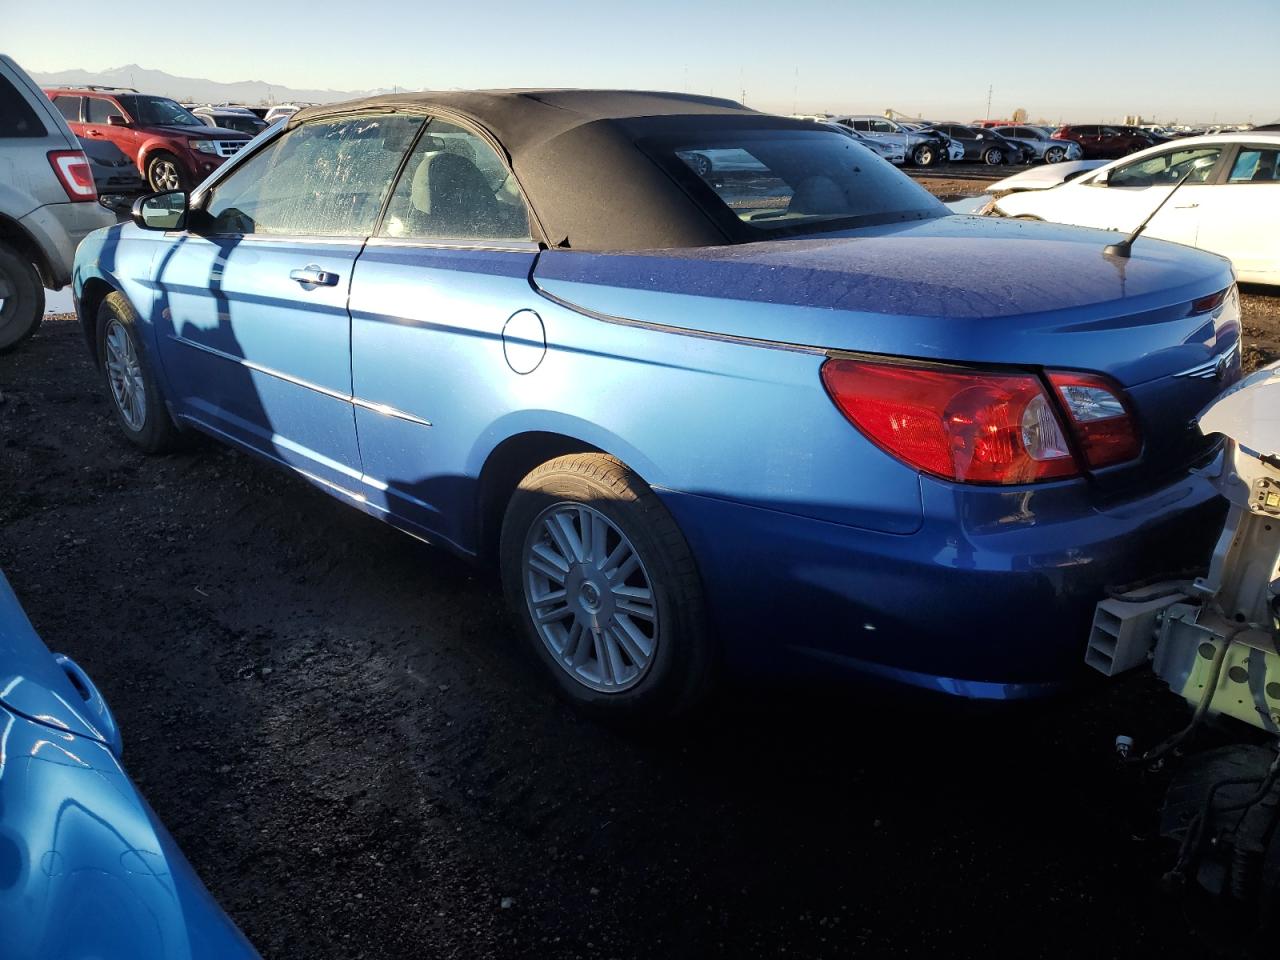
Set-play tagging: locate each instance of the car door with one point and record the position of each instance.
(1093, 141)
(1135, 189)
(444, 323)
(887, 132)
(97, 112)
(1239, 212)
(252, 298)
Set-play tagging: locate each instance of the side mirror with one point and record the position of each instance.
(115, 120)
(161, 211)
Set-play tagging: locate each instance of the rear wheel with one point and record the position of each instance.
(605, 587)
(165, 173)
(21, 298)
(1055, 155)
(135, 395)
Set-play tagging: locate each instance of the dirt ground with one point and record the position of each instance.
(334, 723)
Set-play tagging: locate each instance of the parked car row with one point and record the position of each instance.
(172, 148)
(1227, 201)
(926, 143)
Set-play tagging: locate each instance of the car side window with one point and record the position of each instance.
(861, 125)
(17, 117)
(1165, 168)
(1255, 165)
(326, 178)
(455, 187)
(69, 107)
(97, 110)
(883, 126)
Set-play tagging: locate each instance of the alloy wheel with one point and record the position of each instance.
(590, 597)
(1053, 155)
(164, 176)
(124, 373)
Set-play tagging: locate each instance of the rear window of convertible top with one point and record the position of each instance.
(782, 181)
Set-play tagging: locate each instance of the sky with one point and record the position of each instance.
(1168, 61)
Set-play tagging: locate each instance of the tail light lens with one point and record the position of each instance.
(978, 427)
(1210, 303)
(962, 425)
(1101, 422)
(74, 173)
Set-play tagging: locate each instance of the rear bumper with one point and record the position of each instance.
(57, 229)
(990, 599)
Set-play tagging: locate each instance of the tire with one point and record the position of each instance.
(701, 164)
(21, 299)
(1055, 154)
(165, 174)
(925, 155)
(123, 361)
(601, 665)
(993, 156)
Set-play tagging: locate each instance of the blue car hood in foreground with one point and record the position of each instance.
(86, 869)
(973, 289)
(32, 683)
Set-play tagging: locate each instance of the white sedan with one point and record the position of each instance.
(1229, 205)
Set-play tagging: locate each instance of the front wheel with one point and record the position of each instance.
(165, 173)
(1055, 155)
(606, 589)
(993, 157)
(924, 155)
(21, 298)
(135, 396)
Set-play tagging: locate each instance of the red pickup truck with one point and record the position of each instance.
(173, 148)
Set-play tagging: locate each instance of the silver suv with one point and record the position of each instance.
(48, 203)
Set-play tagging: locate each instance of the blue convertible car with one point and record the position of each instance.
(773, 409)
(86, 870)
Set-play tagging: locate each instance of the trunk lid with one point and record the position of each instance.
(962, 289)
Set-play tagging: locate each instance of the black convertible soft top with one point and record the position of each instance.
(575, 155)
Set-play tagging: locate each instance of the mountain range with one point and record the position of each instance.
(194, 89)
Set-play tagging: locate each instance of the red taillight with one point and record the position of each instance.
(962, 425)
(1101, 422)
(72, 168)
(1210, 303)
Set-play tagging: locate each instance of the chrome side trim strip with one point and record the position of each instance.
(389, 411)
(381, 408)
(682, 331)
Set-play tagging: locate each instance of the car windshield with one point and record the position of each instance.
(159, 111)
(775, 180)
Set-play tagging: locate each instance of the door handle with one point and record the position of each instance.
(312, 275)
(1185, 206)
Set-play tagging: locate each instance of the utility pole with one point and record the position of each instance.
(989, 89)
